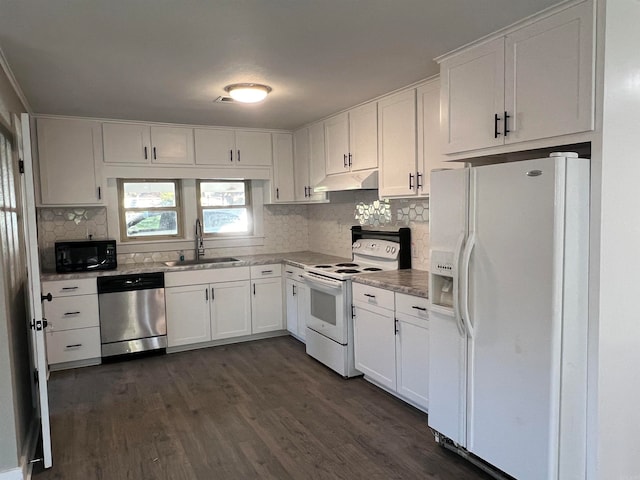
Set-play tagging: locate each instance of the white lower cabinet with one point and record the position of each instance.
(73, 324)
(266, 298)
(230, 310)
(392, 342)
(188, 317)
(297, 302)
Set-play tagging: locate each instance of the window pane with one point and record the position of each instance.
(220, 220)
(215, 194)
(149, 194)
(155, 222)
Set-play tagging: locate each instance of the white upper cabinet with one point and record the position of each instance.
(301, 155)
(308, 153)
(534, 82)
(351, 140)
(136, 144)
(228, 147)
(69, 154)
(397, 144)
(283, 177)
(317, 157)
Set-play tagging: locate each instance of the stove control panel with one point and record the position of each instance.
(383, 249)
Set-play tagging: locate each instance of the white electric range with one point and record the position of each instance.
(329, 334)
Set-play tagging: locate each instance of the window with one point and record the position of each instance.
(225, 207)
(149, 209)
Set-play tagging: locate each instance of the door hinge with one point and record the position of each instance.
(38, 325)
(21, 166)
(36, 377)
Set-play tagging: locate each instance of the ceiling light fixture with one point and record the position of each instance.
(247, 92)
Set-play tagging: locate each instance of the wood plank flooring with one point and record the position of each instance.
(259, 410)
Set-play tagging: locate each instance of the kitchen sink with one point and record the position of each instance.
(201, 261)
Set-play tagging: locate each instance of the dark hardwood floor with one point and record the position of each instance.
(255, 410)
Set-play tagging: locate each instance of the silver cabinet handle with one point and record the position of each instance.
(71, 313)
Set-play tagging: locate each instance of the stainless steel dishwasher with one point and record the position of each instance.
(132, 313)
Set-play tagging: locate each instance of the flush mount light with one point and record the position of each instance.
(247, 92)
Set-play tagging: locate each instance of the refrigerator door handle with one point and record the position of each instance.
(456, 286)
(466, 260)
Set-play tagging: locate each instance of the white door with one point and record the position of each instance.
(549, 76)
(412, 359)
(253, 148)
(375, 344)
(188, 318)
(302, 292)
(397, 144)
(283, 179)
(33, 271)
(215, 146)
(230, 309)
(126, 143)
(301, 159)
(266, 305)
(363, 137)
(172, 145)
(336, 137)
(291, 296)
(317, 157)
(472, 94)
(515, 314)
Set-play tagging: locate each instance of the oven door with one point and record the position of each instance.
(328, 307)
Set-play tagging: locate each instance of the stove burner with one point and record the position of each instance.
(347, 270)
(372, 269)
(323, 266)
(346, 265)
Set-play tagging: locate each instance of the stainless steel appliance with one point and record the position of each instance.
(329, 334)
(85, 255)
(132, 313)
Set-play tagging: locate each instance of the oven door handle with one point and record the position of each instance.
(327, 283)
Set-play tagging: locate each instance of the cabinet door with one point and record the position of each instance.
(67, 313)
(69, 153)
(375, 345)
(301, 158)
(291, 298)
(230, 309)
(266, 305)
(397, 144)
(412, 360)
(336, 136)
(283, 177)
(126, 143)
(430, 154)
(549, 76)
(472, 93)
(187, 315)
(172, 145)
(304, 303)
(73, 345)
(253, 148)
(317, 158)
(215, 146)
(363, 137)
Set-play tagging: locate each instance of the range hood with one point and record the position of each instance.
(365, 180)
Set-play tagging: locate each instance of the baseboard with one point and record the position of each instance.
(13, 474)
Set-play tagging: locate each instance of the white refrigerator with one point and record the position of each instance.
(508, 314)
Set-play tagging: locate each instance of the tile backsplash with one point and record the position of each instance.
(324, 228)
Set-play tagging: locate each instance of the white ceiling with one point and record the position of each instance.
(167, 60)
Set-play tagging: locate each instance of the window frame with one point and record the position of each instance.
(178, 208)
(248, 205)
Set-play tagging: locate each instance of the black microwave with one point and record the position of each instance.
(85, 255)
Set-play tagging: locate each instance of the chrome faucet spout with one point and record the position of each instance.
(199, 240)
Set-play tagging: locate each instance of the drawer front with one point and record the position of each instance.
(379, 297)
(208, 275)
(66, 288)
(411, 305)
(294, 273)
(73, 345)
(266, 271)
(67, 313)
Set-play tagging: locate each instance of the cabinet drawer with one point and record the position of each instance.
(411, 305)
(364, 294)
(266, 271)
(65, 288)
(210, 275)
(73, 345)
(67, 313)
(294, 273)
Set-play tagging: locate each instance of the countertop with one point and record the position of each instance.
(409, 281)
(298, 259)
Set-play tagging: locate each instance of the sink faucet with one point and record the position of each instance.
(199, 240)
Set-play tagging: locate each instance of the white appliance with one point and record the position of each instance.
(508, 322)
(329, 334)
